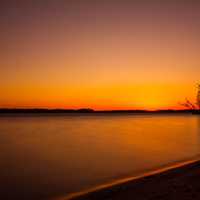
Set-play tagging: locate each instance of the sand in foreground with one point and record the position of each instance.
(180, 183)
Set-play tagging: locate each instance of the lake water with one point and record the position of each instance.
(48, 156)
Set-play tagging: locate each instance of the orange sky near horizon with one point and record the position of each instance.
(114, 55)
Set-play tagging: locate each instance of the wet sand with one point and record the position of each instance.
(182, 182)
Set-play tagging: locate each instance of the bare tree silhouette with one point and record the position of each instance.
(198, 97)
(189, 105)
(193, 106)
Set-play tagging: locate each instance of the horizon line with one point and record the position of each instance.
(85, 110)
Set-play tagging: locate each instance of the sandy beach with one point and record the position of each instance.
(182, 182)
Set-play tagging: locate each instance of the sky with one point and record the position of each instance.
(98, 54)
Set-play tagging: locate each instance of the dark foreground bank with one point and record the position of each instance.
(182, 183)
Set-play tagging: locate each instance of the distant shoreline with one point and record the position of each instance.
(57, 111)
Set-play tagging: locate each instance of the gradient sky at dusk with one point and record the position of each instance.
(98, 54)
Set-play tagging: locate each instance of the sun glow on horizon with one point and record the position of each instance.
(75, 54)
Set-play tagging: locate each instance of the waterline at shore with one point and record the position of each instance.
(152, 184)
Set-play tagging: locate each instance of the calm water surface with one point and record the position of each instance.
(49, 156)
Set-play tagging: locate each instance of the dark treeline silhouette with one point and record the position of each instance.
(84, 110)
(44, 110)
